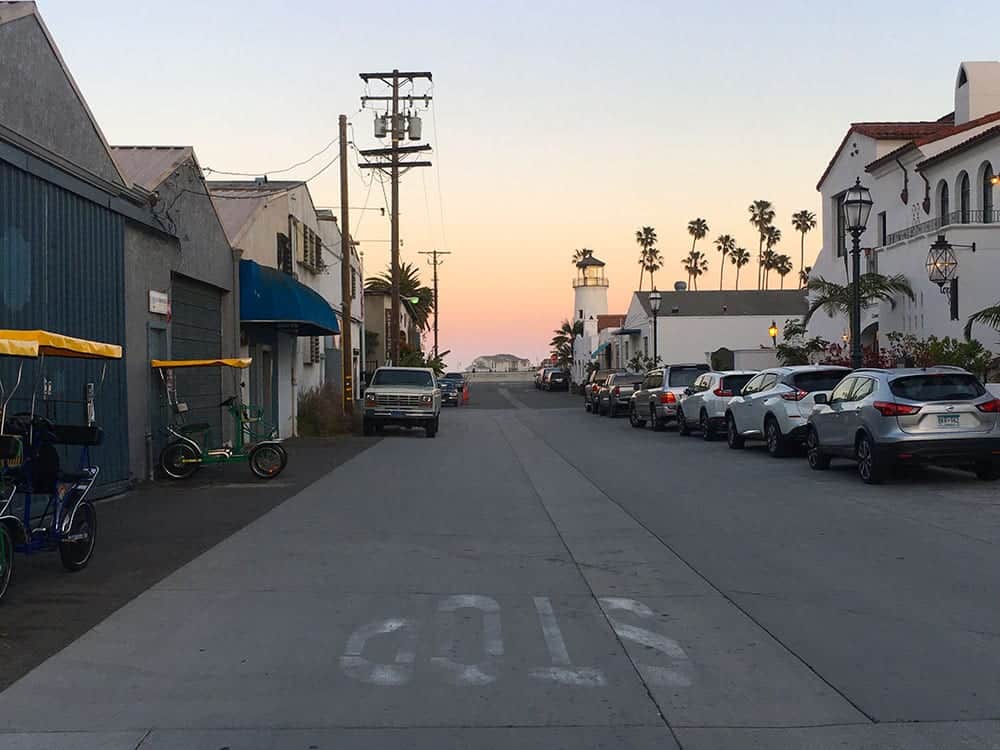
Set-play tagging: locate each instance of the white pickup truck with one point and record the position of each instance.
(405, 396)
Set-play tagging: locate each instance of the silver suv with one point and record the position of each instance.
(703, 406)
(406, 396)
(882, 418)
(656, 399)
(775, 404)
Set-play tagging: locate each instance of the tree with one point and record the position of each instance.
(796, 348)
(761, 216)
(767, 261)
(835, 298)
(804, 276)
(988, 316)
(739, 258)
(562, 341)
(784, 266)
(803, 221)
(698, 229)
(772, 236)
(582, 253)
(696, 264)
(416, 358)
(646, 239)
(409, 286)
(725, 245)
(654, 262)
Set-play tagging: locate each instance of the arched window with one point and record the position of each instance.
(987, 193)
(964, 198)
(943, 205)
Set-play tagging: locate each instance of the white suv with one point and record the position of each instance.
(775, 405)
(704, 404)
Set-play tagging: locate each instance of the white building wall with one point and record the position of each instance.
(592, 300)
(690, 338)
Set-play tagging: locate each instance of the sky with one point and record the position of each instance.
(555, 125)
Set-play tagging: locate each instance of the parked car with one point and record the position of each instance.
(539, 374)
(656, 399)
(615, 395)
(592, 385)
(449, 392)
(703, 406)
(775, 404)
(556, 379)
(461, 385)
(884, 418)
(405, 396)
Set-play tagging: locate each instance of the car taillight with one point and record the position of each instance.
(797, 395)
(668, 398)
(617, 390)
(990, 407)
(593, 389)
(720, 392)
(892, 409)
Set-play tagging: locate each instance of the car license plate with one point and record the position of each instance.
(395, 413)
(949, 420)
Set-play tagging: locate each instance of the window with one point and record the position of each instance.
(734, 383)
(843, 390)
(354, 284)
(416, 378)
(284, 253)
(987, 193)
(655, 380)
(818, 380)
(579, 314)
(310, 351)
(684, 376)
(935, 387)
(943, 206)
(753, 386)
(862, 388)
(645, 346)
(963, 198)
(838, 207)
(883, 234)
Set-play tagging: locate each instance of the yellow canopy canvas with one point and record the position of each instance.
(241, 363)
(57, 345)
(11, 348)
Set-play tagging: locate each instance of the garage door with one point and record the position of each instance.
(196, 333)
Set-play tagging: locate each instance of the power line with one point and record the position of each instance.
(437, 168)
(322, 151)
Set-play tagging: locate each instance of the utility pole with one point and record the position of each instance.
(437, 314)
(346, 249)
(397, 130)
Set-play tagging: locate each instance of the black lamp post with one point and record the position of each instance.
(655, 300)
(857, 208)
(772, 331)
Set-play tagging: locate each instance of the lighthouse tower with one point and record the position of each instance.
(591, 287)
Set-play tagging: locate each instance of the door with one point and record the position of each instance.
(851, 413)
(742, 404)
(196, 333)
(159, 413)
(832, 423)
(692, 403)
(758, 403)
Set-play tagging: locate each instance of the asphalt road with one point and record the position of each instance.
(536, 577)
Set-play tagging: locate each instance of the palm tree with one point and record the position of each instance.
(409, 286)
(804, 276)
(761, 216)
(646, 239)
(739, 258)
(725, 245)
(581, 253)
(772, 236)
(698, 229)
(803, 221)
(784, 266)
(562, 341)
(988, 316)
(654, 262)
(696, 264)
(767, 261)
(835, 298)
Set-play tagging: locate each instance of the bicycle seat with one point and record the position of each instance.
(189, 429)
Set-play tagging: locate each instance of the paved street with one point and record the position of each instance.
(537, 577)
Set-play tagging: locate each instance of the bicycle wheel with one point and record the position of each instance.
(78, 547)
(179, 460)
(6, 560)
(267, 460)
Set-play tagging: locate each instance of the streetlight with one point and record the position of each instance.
(655, 299)
(772, 331)
(857, 208)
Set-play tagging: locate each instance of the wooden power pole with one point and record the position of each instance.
(437, 310)
(398, 127)
(346, 250)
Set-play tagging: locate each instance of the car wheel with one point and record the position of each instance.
(987, 471)
(655, 422)
(682, 424)
(817, 459)
(432, 428)
(776, 442)
(733, 437)
(586, 406)
(705, 425)
(633, 417)
(870, 468)
(612, 410)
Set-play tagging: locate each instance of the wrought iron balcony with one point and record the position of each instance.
(952, 218)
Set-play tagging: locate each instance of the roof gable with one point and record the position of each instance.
(149, 166)
(51, 112)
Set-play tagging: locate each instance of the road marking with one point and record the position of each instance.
(562, 670)
(389, 675)
(453, 670)
(677, 675)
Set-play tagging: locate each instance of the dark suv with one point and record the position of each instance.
(593, 384)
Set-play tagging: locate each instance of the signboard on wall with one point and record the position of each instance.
(159, 302)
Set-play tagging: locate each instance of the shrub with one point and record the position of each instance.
(321, 412)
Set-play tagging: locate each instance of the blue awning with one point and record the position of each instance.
(627, 332)
(600, 349)
(272, 297)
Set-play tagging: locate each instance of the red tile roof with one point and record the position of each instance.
(609, 321)
(958, 147)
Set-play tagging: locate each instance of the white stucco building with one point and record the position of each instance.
(927, 178)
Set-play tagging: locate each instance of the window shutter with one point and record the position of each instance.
(315, 348)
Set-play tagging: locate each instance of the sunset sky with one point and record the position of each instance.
(558, 125)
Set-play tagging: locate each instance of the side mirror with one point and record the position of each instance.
(688, 391)
(821, 398)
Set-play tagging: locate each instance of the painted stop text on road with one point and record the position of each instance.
(663, 661)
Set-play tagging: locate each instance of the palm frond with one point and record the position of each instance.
(988, 316)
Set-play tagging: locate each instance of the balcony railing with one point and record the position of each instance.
(954, 217)
(589, 281)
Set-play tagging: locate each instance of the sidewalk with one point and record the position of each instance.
(143, 536)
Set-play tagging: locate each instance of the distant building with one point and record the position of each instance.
(378, 317)
(590, 295)
(499, 363)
